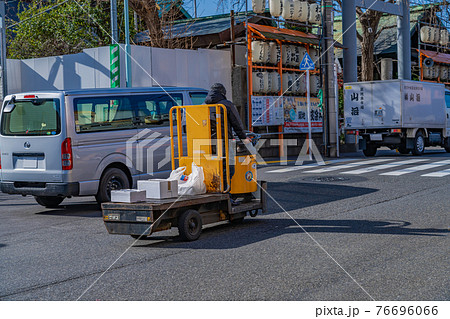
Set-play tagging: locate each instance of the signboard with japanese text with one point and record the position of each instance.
(267, 110)
(296, 115)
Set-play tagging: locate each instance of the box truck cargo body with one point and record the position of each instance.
(400, 114)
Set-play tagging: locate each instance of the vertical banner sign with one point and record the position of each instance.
(114, 56)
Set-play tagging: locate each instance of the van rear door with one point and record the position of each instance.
(31, 137)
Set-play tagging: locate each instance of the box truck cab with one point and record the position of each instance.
(59, 144)
(403, 115)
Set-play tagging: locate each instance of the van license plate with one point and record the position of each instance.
(29, 162)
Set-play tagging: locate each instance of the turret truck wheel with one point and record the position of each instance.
(190, 225)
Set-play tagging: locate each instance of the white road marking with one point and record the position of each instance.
(351, 165)
(384, 166)
(300, 167)
(443, 173)
(417, 168)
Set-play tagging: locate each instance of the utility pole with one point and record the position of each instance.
(114, 31)
(195, 9)
(127, 44)
(329, 93)
(349, 36)
(3, 50)
(404, 42)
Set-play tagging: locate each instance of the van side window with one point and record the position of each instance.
(153, 110)
(198, 98)
(447, 100)
(95, 114)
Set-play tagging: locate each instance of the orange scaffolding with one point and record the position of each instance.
(286, 36)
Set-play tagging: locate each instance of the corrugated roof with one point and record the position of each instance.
(197, 27)
(437, 57)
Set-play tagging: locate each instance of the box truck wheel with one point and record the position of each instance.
(190, 225)
(49, 201)
(112, 179)
(419, 144)
(370, 150)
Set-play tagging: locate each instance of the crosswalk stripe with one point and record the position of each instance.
(345, 166)
(443, 173)
(300, 167)
(417, 168)
(384, 166)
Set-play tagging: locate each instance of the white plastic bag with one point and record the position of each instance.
(175, 175)
(195, 182)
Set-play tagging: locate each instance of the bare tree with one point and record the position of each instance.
(159, 21)
(369, 21)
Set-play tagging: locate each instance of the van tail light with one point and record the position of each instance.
(352, 132)
(66, 155)
(0, 161)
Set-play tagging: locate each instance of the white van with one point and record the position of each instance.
(58, 144)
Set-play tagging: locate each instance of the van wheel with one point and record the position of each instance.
(112, 179)
(49, 201)
(419, 144)
(370, 150)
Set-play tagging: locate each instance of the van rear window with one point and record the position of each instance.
(37, 117)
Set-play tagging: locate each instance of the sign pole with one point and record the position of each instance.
(308, 102)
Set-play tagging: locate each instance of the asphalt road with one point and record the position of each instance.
(363, 236)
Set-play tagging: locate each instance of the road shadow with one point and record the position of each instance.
(88, 210)
(297, 195)
(2, 245)
(227, 236)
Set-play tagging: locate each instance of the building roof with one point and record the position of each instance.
(197, 27)
(436, 56)
(208, 26)
(387, 41)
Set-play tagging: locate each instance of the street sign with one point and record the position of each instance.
(307, 63)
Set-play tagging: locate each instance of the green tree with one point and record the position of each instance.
(60, 27)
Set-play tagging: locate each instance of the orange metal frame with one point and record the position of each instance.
(421, 72)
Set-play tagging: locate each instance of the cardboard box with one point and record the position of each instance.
(128, 196)
(159, 188)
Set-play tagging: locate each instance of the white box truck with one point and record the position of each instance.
(399, 114)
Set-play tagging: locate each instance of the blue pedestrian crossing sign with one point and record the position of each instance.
(307, 63)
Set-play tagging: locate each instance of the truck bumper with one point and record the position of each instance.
(40, 189)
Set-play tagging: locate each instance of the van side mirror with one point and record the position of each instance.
(9, 107)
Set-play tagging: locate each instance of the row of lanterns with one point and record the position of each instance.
(437, 71)
(291, 55)
(269, 83)
(434, 35)
(296, 10)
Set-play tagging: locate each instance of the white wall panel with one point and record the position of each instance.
(90, 69)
